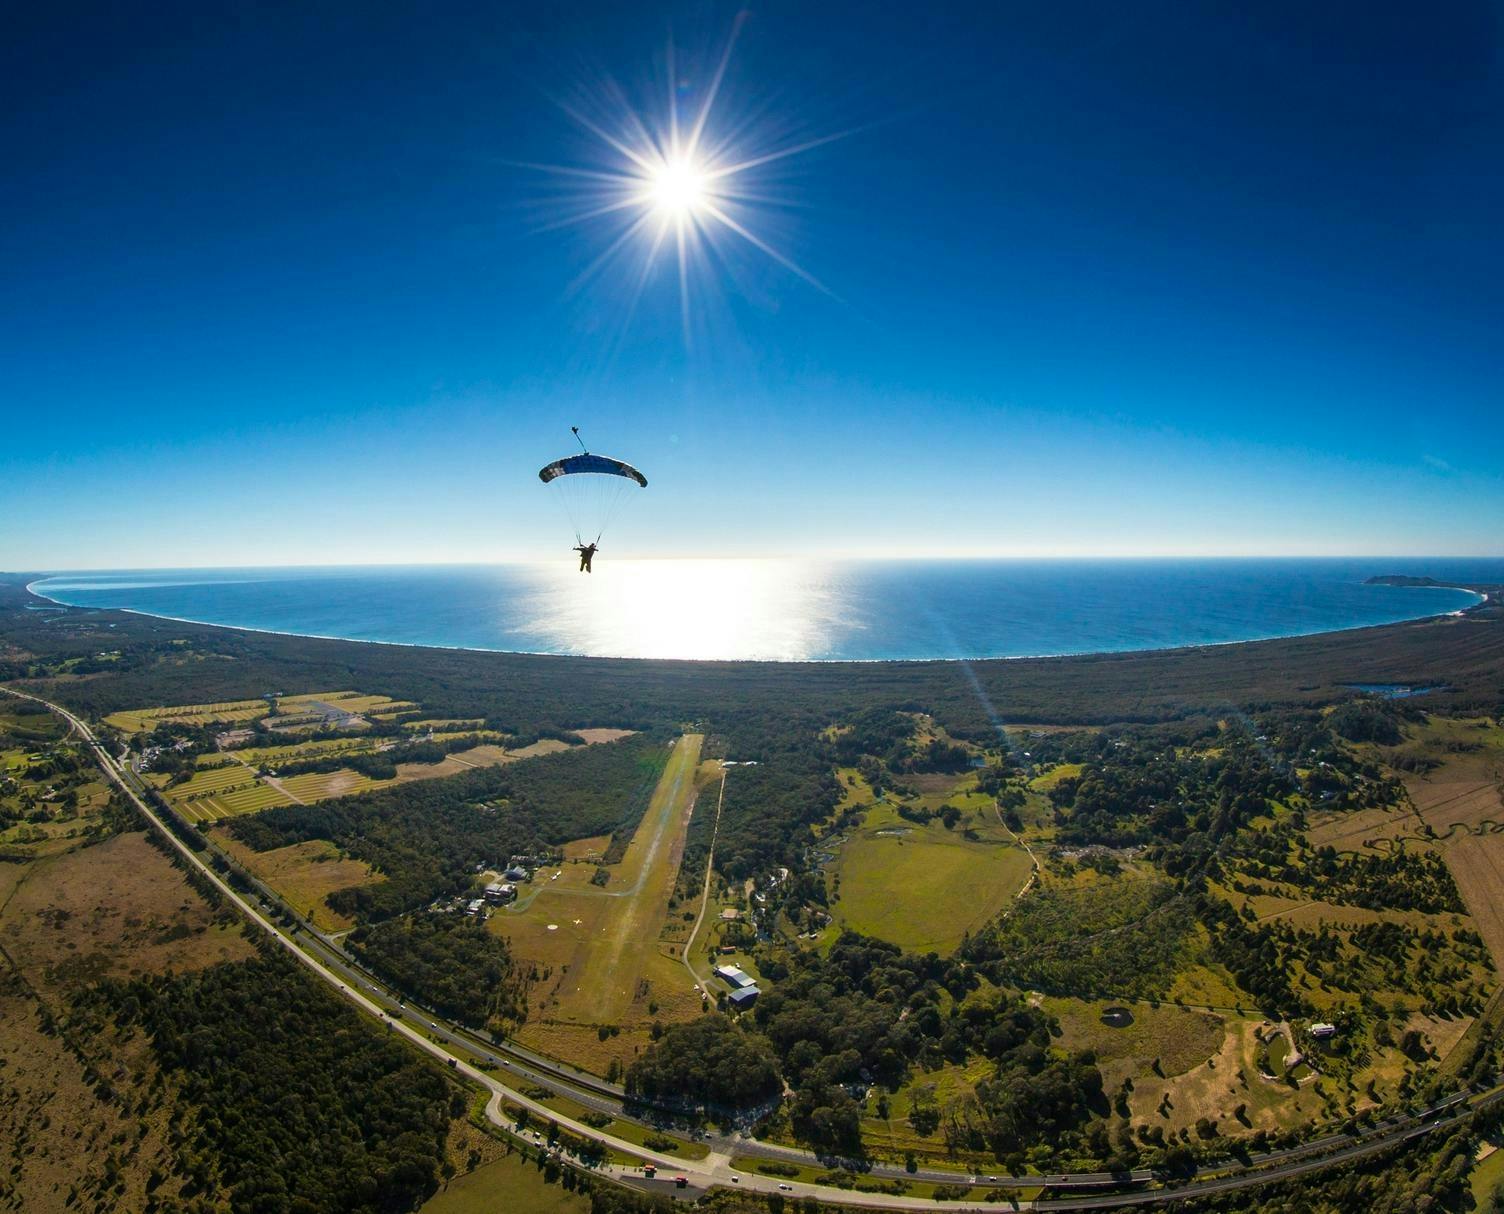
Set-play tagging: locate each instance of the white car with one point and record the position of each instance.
(787, 1188)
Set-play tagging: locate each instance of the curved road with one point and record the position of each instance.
(455, 1048)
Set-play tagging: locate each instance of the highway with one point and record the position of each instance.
(466, 1053)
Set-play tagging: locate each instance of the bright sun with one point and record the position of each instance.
(676, 187)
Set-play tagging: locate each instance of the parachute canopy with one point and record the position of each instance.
(602, 465)
(590, 488)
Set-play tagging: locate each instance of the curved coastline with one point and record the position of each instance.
(1481, 601)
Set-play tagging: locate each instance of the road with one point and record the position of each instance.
(461, 1050)
(694, 932)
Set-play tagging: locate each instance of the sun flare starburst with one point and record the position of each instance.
(674, 185)
(677, 188)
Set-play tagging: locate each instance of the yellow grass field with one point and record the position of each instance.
(1061, 771)
(604, 735)
(223, 791)
(592, 848)
(293, 752)
(143, 720)
(349, 701)
(1217, 1086)
(228, 712)
(304, 874)
(321, 785)
(1462, 807)
(114, 909)
(1477, 864)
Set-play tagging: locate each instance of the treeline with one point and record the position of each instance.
(427, 837)
(1189, 789)
(288, 1102)
(25, 724)
(449, 962)
(888, 735)
(1189, 785)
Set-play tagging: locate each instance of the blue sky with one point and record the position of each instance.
(278, 288)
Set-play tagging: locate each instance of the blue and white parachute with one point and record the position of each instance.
(590, 488)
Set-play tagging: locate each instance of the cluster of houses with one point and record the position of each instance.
(504, 892)
(151, 754)
(743, 986)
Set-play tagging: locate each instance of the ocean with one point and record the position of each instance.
(796, 610)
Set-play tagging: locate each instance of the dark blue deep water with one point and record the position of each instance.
(794, 610)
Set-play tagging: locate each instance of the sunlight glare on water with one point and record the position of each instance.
(745, 609)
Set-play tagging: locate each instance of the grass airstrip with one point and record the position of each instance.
(604, 982)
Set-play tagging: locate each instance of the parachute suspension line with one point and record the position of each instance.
(590, 488)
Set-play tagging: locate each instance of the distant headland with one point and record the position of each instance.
(1493, 593)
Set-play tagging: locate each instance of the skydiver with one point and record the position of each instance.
(587, 554)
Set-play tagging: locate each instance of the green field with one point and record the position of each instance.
(221, 792)
(1178, 1038)
(1061, 771)
(1488, 1175)
(922, 886)
(598, 944)
(505, 1184)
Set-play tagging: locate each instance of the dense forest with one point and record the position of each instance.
(706, 1062)
(448, 962)
(289, 1101)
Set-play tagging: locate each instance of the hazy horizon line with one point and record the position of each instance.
(849, 557)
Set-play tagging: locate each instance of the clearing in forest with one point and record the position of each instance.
(304, 875)
(919, 883)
